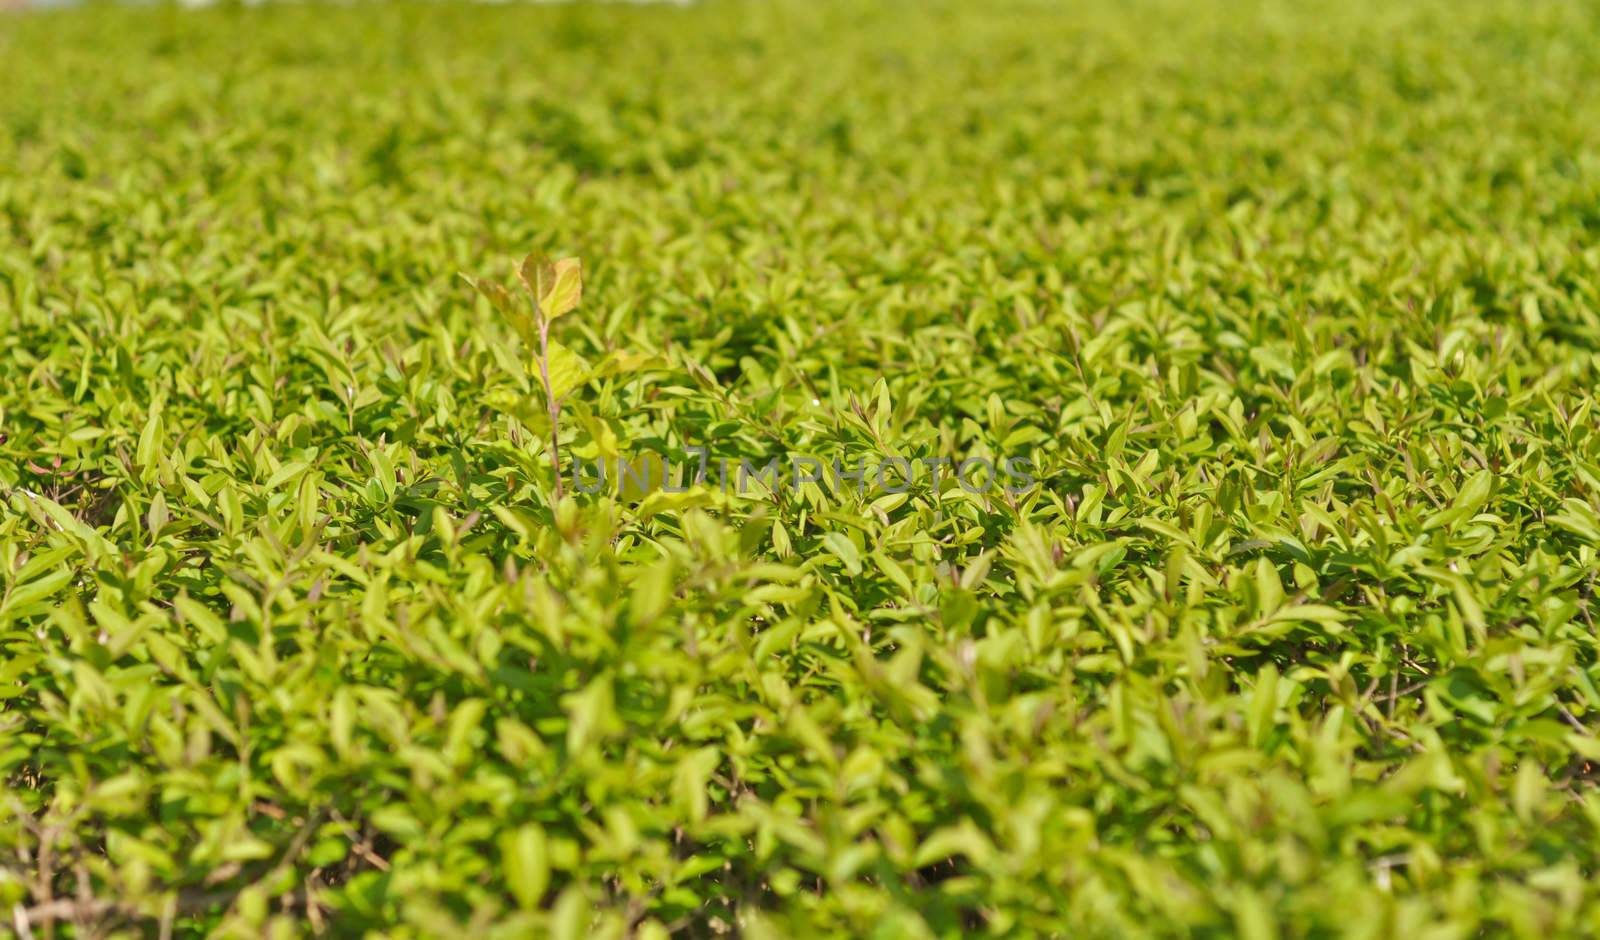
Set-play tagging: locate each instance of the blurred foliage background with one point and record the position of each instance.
(1294, 306)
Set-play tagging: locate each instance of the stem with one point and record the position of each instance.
(551, 405)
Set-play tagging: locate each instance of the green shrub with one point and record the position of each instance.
(1292, 307)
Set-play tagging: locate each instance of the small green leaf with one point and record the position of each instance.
(566, 289)
(568, 370)
(525, 856)
(555, 286)
(497, 295)
(845, 550)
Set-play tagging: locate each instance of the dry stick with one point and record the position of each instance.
(85, 906)
(19, 920)
(169, 913)
(187, 902)
(46, 865)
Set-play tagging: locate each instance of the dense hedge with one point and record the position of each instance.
(1292, 306)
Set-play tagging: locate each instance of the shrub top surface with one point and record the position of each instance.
(1292, 309)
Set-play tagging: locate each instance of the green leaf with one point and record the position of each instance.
(555, 286)
(568, 370)
(845, 550)
(622, 363)
(496, 294)
(525, 858)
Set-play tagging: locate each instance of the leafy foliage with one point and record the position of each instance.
(1294, 307)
